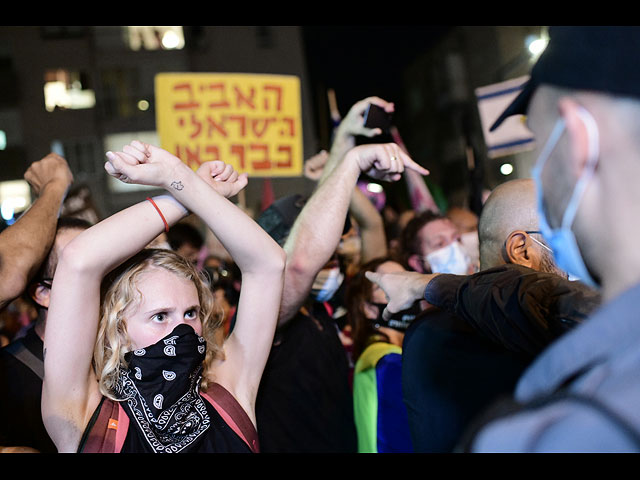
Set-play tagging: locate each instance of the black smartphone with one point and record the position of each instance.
(377, 117)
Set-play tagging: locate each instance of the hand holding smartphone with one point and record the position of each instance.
(377, 117)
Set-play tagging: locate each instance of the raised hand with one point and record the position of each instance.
(51, 169)
(384, 161)
(402, 288)
(314, 166)
(222, 177)
(353, 122)
(143, 164)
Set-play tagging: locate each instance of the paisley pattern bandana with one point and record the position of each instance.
(160, 389)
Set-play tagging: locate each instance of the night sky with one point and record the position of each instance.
(358, 61)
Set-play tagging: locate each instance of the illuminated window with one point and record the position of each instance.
(3, 140)
(64, 89)
(15, 197)
(154, 38)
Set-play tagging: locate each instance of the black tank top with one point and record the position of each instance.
(220, 437)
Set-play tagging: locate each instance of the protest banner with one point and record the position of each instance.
(251, 121)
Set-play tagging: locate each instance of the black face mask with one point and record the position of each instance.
(400, 320)
(160, 387)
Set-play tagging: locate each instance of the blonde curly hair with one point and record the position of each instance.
(120, 292)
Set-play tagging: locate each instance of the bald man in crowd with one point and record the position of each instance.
(487, 327)
(509, 224)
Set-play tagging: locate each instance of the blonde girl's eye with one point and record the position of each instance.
(159, 317)
(191, 314)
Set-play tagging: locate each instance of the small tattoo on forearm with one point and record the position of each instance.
(177, 185)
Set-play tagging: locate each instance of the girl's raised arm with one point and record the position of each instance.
(70, 389)
(260, 259)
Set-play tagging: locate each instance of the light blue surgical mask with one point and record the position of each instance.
(562, 240)
(326, 284)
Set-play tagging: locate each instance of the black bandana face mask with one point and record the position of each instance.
(161, 390)
(400, 320)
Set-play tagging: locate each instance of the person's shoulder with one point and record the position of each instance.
(374, 353)
(7, 351)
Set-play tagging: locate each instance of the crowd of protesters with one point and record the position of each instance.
(331, 323)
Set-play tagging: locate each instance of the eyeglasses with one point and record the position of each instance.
(538, 232)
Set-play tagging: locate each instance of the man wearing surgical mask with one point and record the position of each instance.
(327, 281)
(431, 243)
(582, 102)
(467, 223)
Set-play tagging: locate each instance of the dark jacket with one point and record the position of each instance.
(474, 344)
(514, 306)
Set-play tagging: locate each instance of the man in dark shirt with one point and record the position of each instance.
(23, 247)
(21, 362)
(20, 393)
(304, 402)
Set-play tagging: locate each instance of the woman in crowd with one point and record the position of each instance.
(380, 415)
(131, 332)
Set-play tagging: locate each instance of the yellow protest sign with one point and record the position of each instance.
(250, 121)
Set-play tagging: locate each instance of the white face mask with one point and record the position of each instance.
(450, 259)
(326, 283)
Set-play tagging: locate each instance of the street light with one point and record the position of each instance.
(536, 44)
(506, 169)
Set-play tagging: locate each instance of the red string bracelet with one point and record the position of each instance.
(166, 225)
